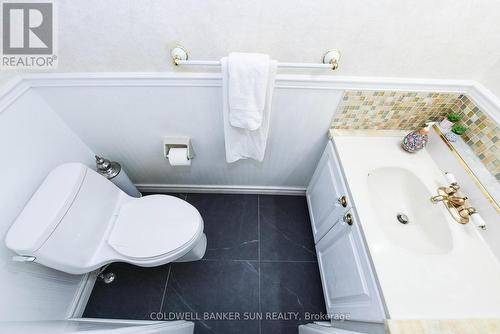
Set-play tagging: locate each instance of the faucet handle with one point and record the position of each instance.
(457, 200)
(452, 189)
(478, 221)
(450, 177)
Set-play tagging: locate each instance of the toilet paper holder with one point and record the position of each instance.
(178, 142)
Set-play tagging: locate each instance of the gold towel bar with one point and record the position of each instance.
(464, 164)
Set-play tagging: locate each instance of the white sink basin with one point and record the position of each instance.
(395, 190)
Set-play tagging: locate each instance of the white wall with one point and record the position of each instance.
(33, 140)
(6, 77)
(491, 79)
(454, 39)
(127, 122)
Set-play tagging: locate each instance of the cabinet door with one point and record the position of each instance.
(324, 194)
(348, 282)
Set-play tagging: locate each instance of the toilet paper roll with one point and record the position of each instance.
(178, 157)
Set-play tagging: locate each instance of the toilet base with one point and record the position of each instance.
(196, 253)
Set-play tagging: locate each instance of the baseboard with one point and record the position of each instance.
(82, 295)
(221, 189)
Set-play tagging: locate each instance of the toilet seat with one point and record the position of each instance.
(155, 226)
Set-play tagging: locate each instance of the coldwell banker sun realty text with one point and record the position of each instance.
(28, 35)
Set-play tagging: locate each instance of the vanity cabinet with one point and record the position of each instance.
(326, 195)
(349, 284)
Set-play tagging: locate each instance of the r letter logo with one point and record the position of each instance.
(28, 35)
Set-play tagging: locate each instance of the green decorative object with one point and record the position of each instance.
(458, 129)
(454, 117)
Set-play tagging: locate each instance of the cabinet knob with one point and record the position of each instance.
(343, 201)
(348, 219)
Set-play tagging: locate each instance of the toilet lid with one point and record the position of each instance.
(46, 208)
(154, 225)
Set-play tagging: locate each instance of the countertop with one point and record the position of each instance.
(456, 326)
(459, 283)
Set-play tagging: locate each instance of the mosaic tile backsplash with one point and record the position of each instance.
(389, 110)
(483, 134)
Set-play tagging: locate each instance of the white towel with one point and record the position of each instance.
(242, 143)
(248, 79)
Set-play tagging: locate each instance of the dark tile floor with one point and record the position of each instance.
(260, 261)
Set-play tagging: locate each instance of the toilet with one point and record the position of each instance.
(78, 221)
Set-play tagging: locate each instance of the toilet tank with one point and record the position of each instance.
(65, 221)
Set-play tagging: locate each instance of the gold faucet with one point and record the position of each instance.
(454, 203)
(457, 201)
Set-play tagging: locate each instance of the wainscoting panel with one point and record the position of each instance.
(128, 123)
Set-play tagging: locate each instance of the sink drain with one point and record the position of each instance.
(402, 218)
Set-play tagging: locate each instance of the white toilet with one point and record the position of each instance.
(78, 221)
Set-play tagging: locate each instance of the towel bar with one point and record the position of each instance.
(330, 60)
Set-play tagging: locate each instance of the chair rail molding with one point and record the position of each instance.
(11, 91)
(484, 99)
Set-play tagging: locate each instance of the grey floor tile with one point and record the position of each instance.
(280, 326)
(230, 278)
(238, 326)
(230, 225)
(285, 229)
(135, 294)
(206, 288)
(293, 289)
